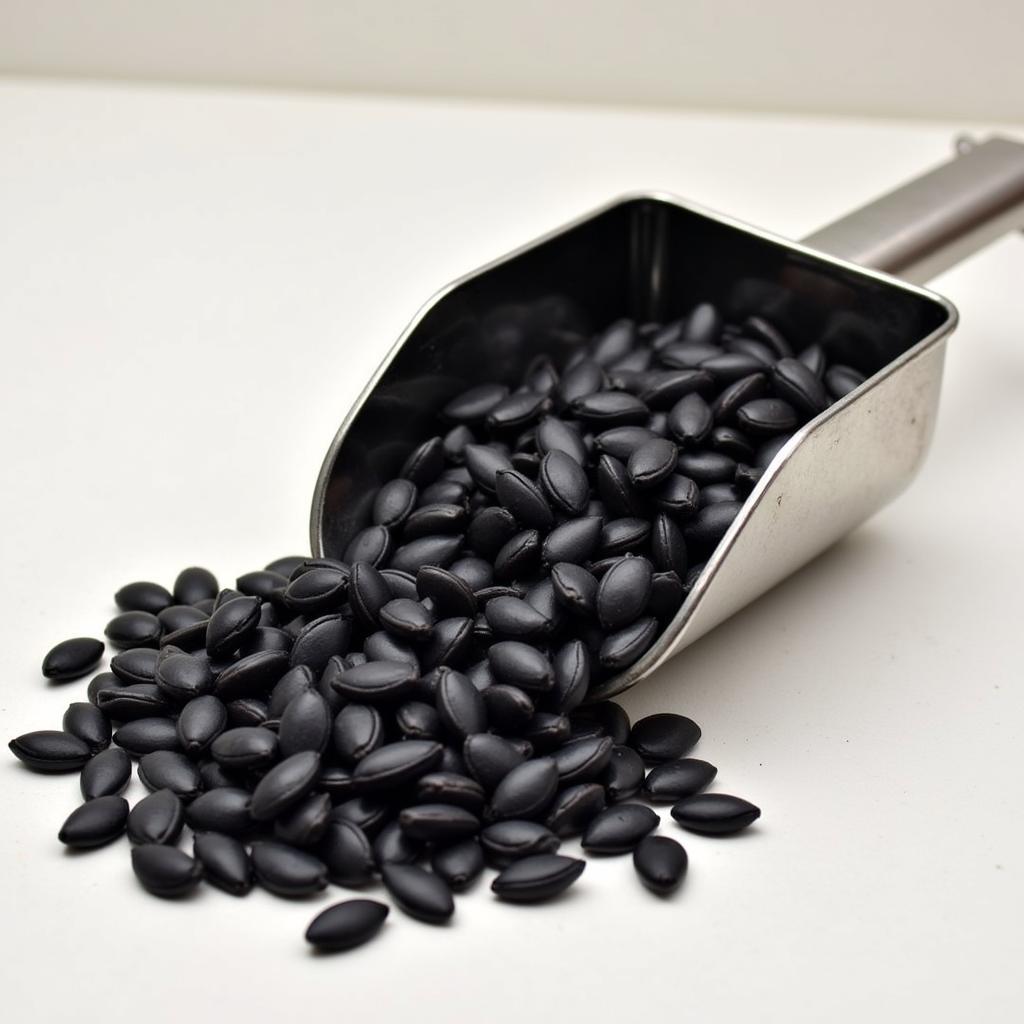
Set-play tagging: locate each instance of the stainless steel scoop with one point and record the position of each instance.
(652, 256)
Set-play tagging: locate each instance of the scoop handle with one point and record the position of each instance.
(931, 223)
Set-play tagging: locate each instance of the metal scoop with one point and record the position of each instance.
(652, 257)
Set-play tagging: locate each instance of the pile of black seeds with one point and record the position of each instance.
(418, 710)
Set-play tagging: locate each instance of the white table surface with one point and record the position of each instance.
(193, 288)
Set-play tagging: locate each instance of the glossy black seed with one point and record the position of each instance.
(459, 704)
(358, 729)
(451, 595)
(508, 841)
(368, 812)
(294, 682)
(395, 764)
(668, 547)
(652, 462)
(621, 442)
(407, 618)
(571, 667)
(615, 487)
(663, 389)
(139, 700)
(347, 853)
(285, 871)
(438, 823)
(738, 394)
(555, 435)
(623, 592)
(231, 624)
(184, 676)
(225, 862)
(732, 366)
(519, 664)
(449, 644)
(573, 541)
(101, 681)
(614, 342)
(765, 417)
(621, 535)
(459, 865)
(517, 410)
(574, 808)
(71, 659)
(178, 616)
(716, 494)
(474, 405)
(814, 358)
(436, 549)
(95, 823)
(318, 590)
(703, 325)
(514, 617)
(377, 681)
(245, 747)
(225, 809)
(262, 584)
(284, 785)
(580, 380)
(450, 788)
(575, 588)
(564, 482)
(320, 640)
(106, 774)
(165, 871)
(285, 565)
(619, 650)
(132, 629)
(137, 665)
(619, 828)
(50, 751)
(526, 791)
(663, 737)
(305, 725)
(523, 499)
(394, 502)
(547, 730)
(661, 863)
(146, 735)
(732, 442)
(418, 720)
(489, 758)
(89, 724)
(168, 769)
(624, 774)
(675, 780)
(368, 593)
(582, 760)
(305, 822)
(841, 380)
(143, 596)
(484, 462)
(428, 520)
(156, 818)
(712, 522)
(418, 892)
(246, 711)
(715, 813)
(798, 384)
(667, 595)
(201, 721)
(194, 584)
(610, 408)
(346, 925)
(188, 638)
(537, 878)
(214, 776)
(707, 467)
(372, 545)
(424, 464)
(690, 421)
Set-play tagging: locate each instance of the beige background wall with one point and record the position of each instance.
(931, 58)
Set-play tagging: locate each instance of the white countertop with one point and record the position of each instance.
(193, 288)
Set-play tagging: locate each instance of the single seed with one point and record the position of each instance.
(165, 871)
(715, 813)
(95, 823)
(533, 879)
(619, 828)
(346, 925)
